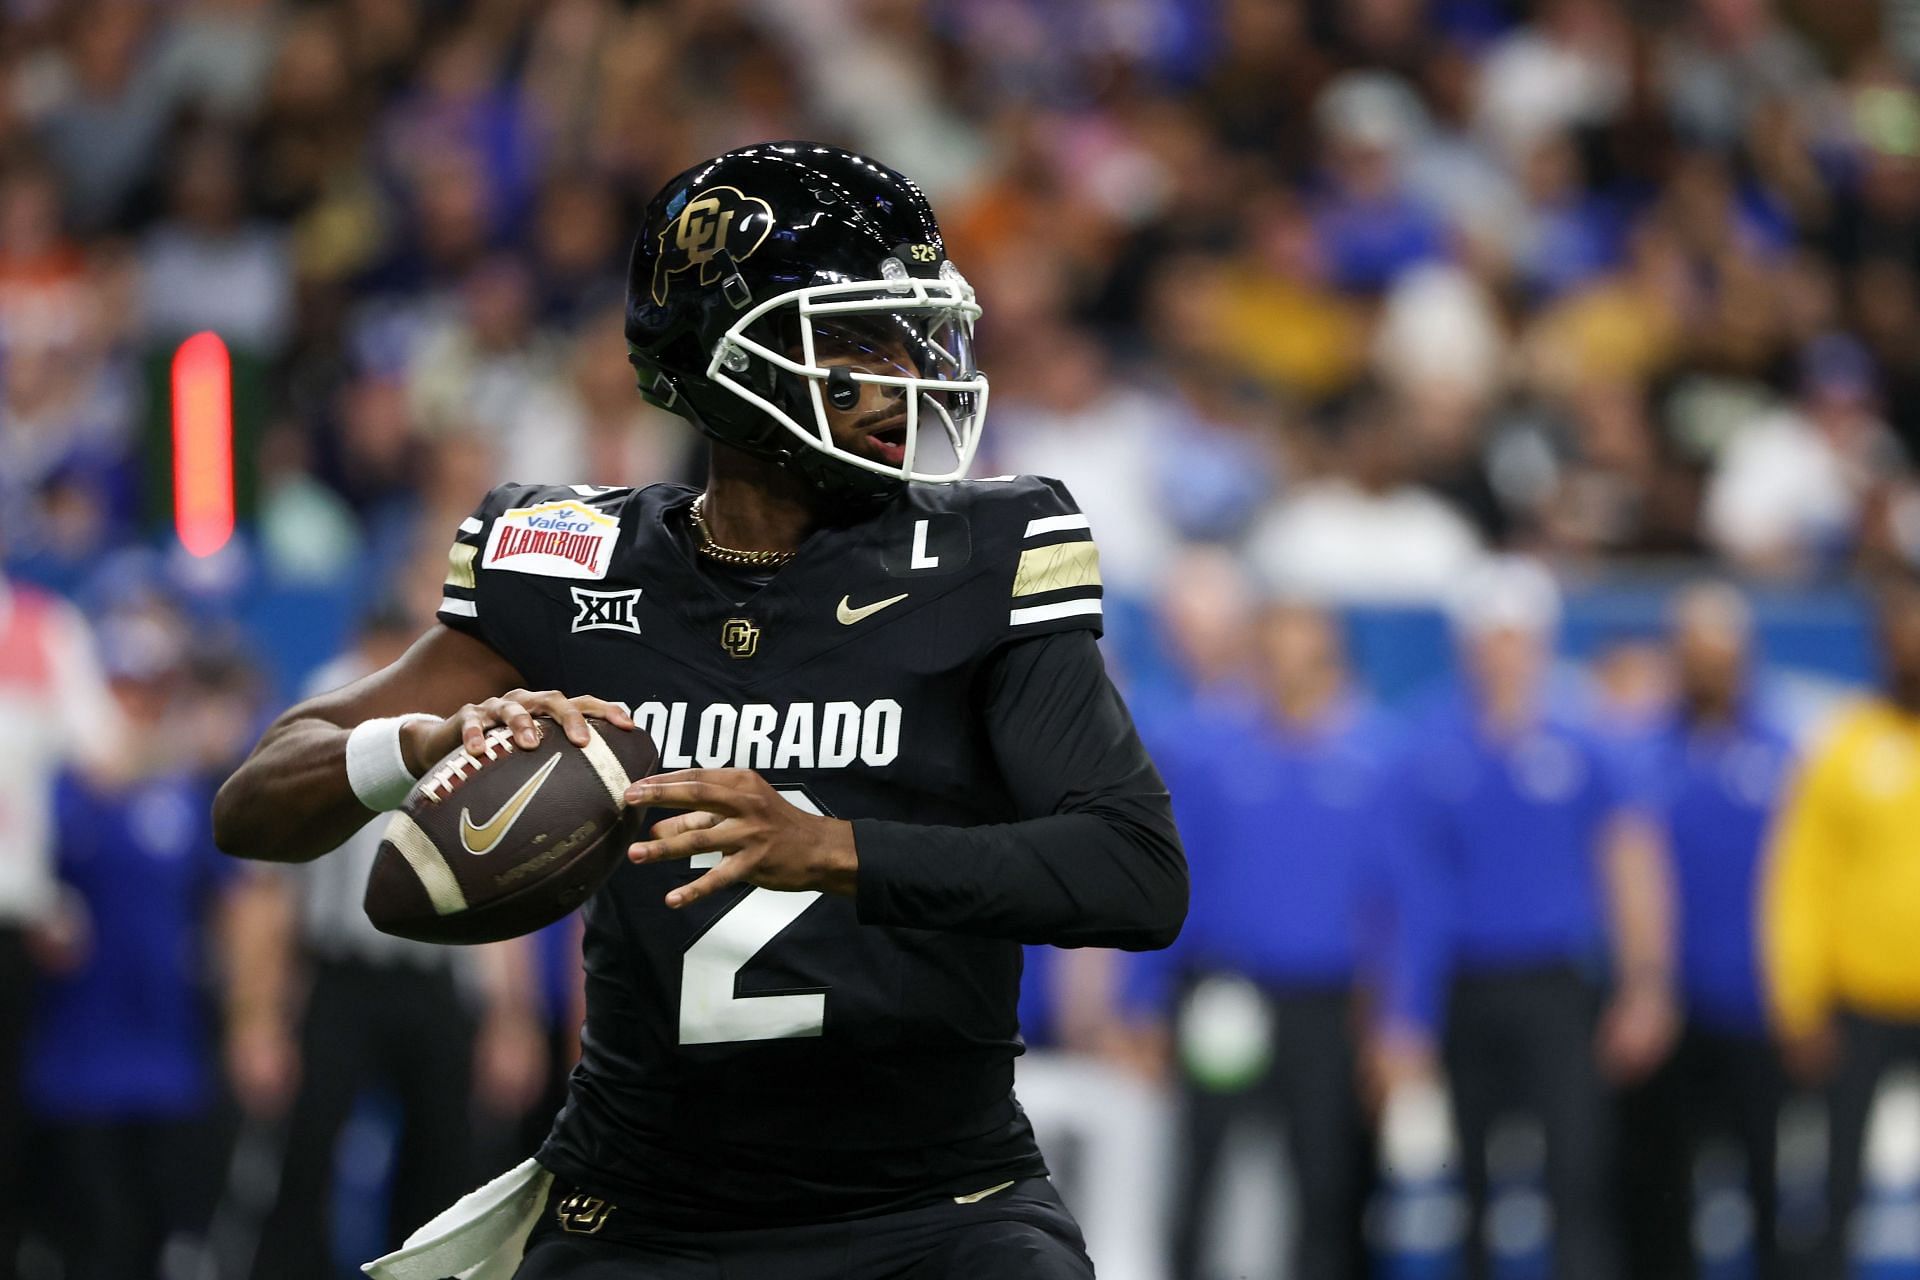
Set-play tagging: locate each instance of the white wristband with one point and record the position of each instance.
(376, 769)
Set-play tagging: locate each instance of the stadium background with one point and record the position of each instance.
(1303, 297)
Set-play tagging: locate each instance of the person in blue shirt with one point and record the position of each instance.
(1712, 775)
(1538, 874)
(1371, 226)
(122, 1073)
(1279, 798)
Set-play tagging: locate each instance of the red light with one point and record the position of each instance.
(203, 444)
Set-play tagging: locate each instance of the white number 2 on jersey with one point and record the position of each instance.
(710, 1012)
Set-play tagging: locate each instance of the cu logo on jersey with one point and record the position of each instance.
(606, 610)
(582, 1215)
(740, 638)
(722, 218)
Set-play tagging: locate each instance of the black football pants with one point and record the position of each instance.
(1021, 1233)
(1523, 1041)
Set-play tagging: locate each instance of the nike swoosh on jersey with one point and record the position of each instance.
(978, 1196)
(849, 615)
(494, 829)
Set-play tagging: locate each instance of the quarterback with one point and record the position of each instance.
(891, 751)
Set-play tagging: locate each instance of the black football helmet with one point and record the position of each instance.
(772, 281)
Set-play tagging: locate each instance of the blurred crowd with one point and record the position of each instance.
(1319, 303)
(1360, 288)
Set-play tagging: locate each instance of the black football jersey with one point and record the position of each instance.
(762, 1057)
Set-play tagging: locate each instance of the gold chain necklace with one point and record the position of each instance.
(729, 555)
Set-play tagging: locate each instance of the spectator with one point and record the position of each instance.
(1517, 816)
(1081, 417)
(208, 266)
(1194, 651)
(1366, 534)
(490, 372)
(49, 677)
(1713, 776)
(1731, 57)
(103, 127)
(1790, 488)
(43, 286)
(1277, 316)
(577, 245)
(66, 470)
(1573, 234)
(1283, 809)
(594, 429)
(1372, 226)
(1842, 910)
(122, 1071)
(1566, 70)
(216, 55)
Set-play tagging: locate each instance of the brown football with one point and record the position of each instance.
(500, 844)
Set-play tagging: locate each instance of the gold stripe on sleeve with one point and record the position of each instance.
(460, 565)
(1055, 568)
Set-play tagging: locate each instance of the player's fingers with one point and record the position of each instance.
(697, 820)
(719, 838)
(710, 796)
(569, 717)
(612, 712)
(473, 729)
(514, 714)
(730, 871)
(736, 779)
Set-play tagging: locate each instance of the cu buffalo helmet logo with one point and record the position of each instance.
(718, 218)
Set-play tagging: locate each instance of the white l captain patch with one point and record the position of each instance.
(565, 539)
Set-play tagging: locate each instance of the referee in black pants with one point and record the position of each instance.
(381, 1014)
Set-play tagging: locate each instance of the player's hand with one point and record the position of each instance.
(1637, 1031)
(422, 742)
(736, 812)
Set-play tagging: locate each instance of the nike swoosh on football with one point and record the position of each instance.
(494, 829)
(849, 615)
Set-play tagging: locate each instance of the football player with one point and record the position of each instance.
(892, 755)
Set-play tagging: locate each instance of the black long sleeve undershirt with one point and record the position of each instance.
(1096, 860)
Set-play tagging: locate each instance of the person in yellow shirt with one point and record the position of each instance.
(1841, 921)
